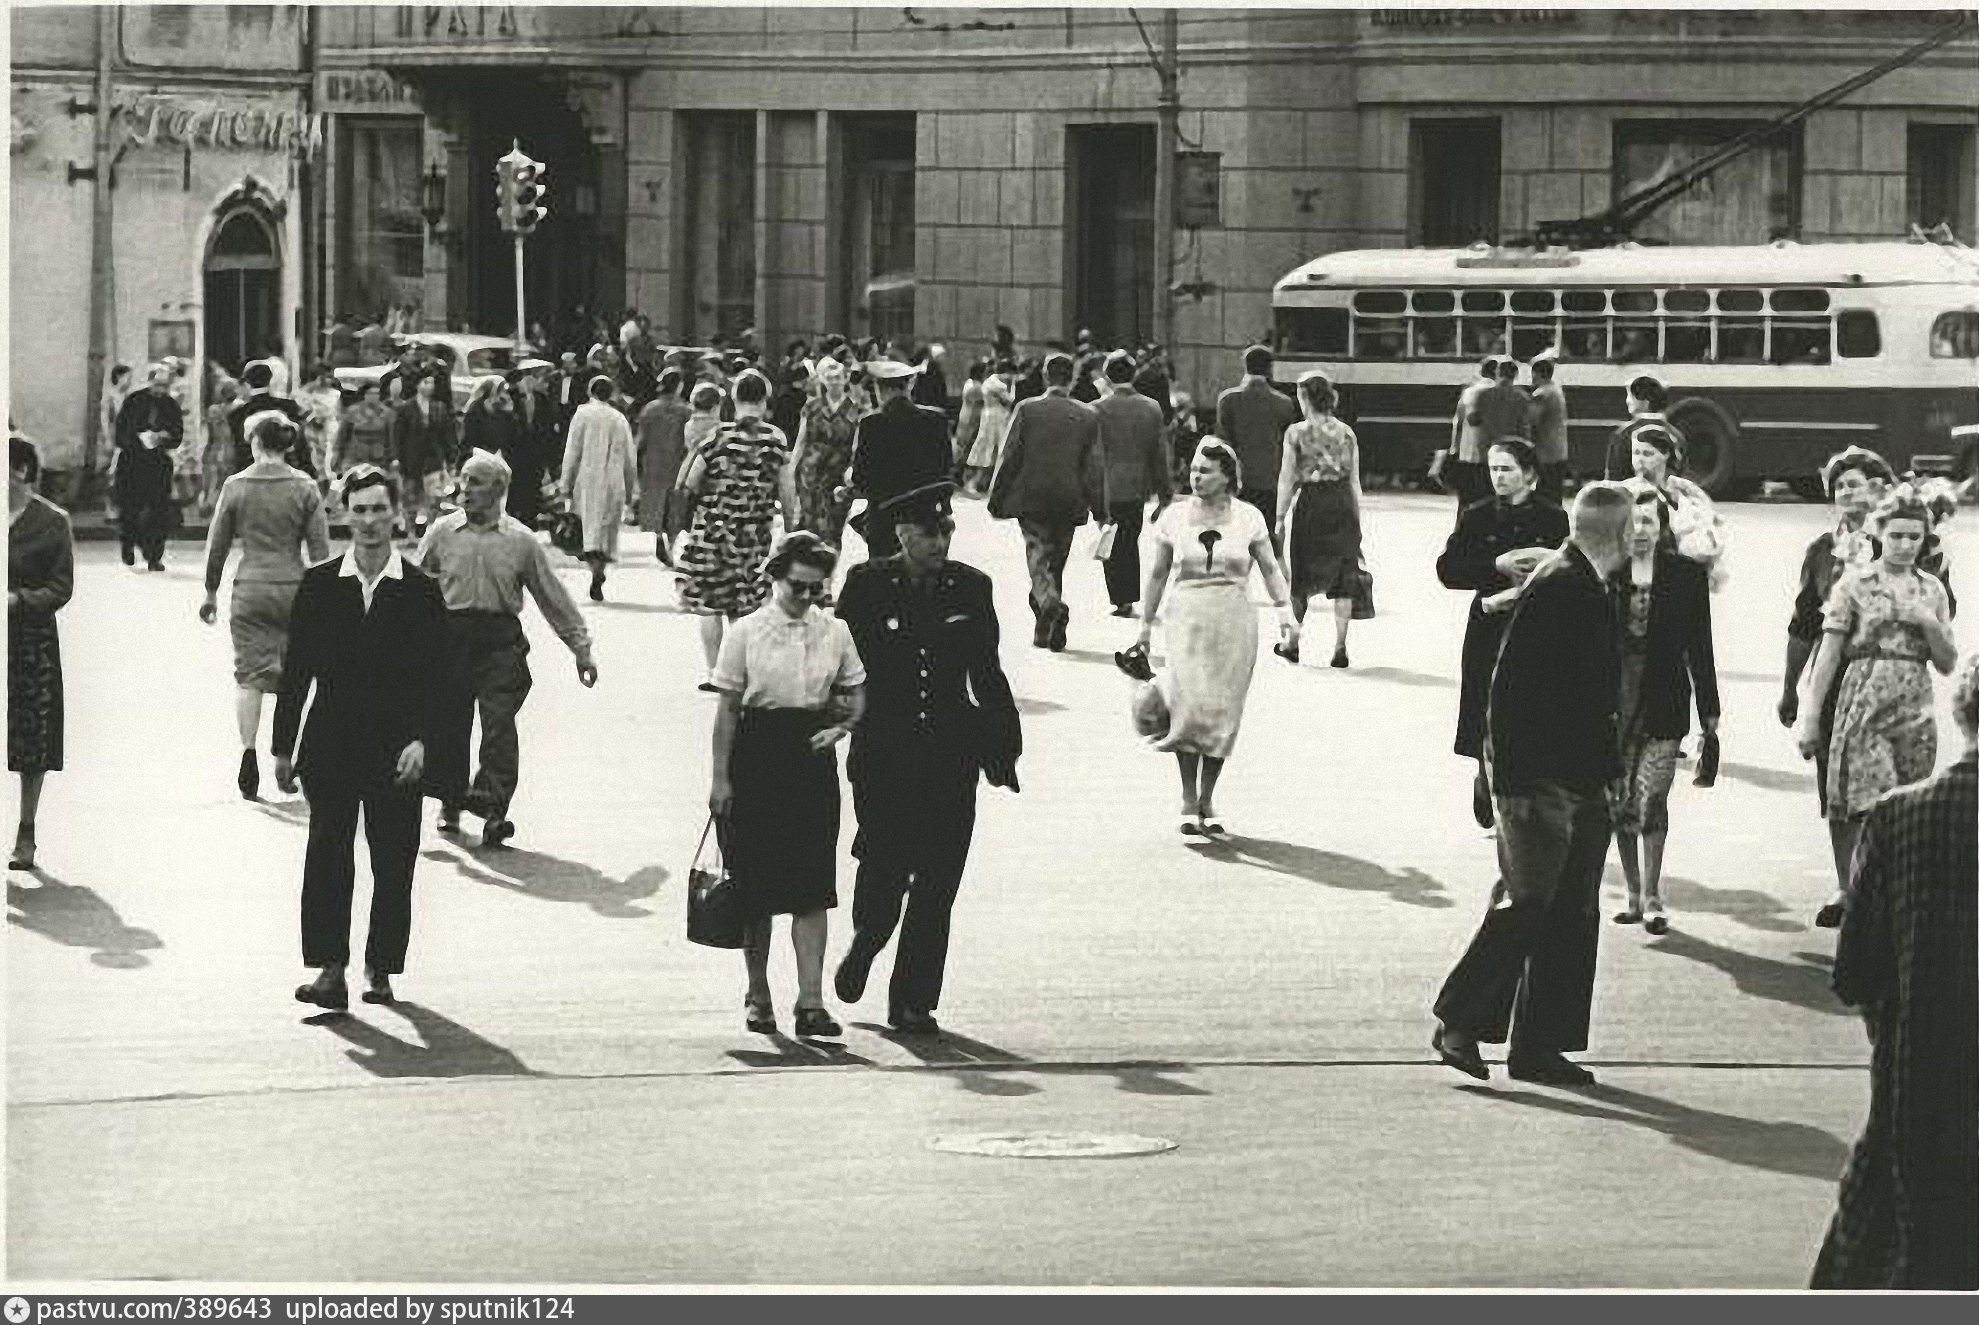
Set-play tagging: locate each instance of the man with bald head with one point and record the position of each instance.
(1551, 744)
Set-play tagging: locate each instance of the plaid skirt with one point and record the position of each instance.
(34, 694)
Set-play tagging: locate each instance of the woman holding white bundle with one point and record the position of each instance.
(1210, 542)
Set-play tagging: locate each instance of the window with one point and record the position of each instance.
(1857, 336)
(1453, 182)
(1938, 184)
(381, 242)
(879, 161)
(1312, 331)
(1955, 336)
(1751, 199)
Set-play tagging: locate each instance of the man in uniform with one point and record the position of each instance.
(898, 447)
(938, 712)
(484, 559)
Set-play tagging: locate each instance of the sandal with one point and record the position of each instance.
(817, 1024)
(1192, 825)
(1213, 827)
(758, 1018)
(1657, 924)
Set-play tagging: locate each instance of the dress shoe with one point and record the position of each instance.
(910, 1022)
(23, 857)
(1123, 609)
(1465, 1059)
(497, 832)
(1339, 658)
(817, 1024)
(849, 981)
(758, 1018)
(250, 776)
(597, 591)
(331, 995)
(1481, 802)
(1041, 633)
(154, 566)
(130, 555)
(1657, 924)
(1830, 916)
(1548, 1070)
(1055, 641)
(1628, 917)
(379, 988)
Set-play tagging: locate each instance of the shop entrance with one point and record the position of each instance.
(243, 290)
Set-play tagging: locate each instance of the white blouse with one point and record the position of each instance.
(774, 660)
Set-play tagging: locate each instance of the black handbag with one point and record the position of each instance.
(714, 913)
(567, 533)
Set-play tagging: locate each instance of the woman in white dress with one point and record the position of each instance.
(1209, 541)
(600, 474)
(999, 398)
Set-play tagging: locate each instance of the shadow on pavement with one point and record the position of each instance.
(980, 1068)
(1768, 779)
(613, 605)
(1798, 1150)
(1748, 906)
(799, 1053)
(1404, 677)
(1794, 983)
(294, 811)
(1410, 886)
(1032, 708)
(78, 917)
(445, 1047)
(554, 879)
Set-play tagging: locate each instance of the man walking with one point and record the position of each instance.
(150, 425)
(938, 712)
(1130, 428)
(1502, 409)
(1647, 399)
(1551, 744)
(1253, 416)
(897, 448)
(258, 378)
(369, 633)
(1909, 1207)
(1050, 474)
(423, 441)
(1462, 466)
(484, 559)
(1549, 426)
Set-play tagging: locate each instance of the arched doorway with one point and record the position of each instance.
(243, 289)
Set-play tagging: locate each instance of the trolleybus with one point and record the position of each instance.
(1775, 355)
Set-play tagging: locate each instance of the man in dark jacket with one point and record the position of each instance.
(1552, 745)
(1052, 473)
(424, 440)
(938, 712)
(1130, 436)
(257, 379)
(369, 633)
(150, 426)
(897, 448)
(1253, 416)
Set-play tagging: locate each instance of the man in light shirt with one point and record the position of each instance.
(484, 559)
(1549, 426)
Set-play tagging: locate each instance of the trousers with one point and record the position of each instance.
(1531, 963)
(1123, 566)
(144, 509)
(488, 670)
(917, 815)
(1266, 500)
(1047, 547)
(329, 870)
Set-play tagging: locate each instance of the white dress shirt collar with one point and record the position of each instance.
(394, 570)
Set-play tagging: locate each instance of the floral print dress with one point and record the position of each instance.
(821, 467)
(1885, 734)
(721, 560)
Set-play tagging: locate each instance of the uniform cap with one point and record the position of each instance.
(924, 504)
(889, 370)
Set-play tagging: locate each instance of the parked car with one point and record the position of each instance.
(466, 356)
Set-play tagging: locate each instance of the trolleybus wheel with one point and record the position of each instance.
(1710, 444)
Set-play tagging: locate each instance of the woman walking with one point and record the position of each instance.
(1885, 625)
(599, 476)
(662, 448)
(365, 435)
(1497, 543)
(1695, 530)
(735, 483)
(1321, 533)
(999, 398)
(1210, 541)
(823, 454)
(488, 421)
(275, 511)
(41, 563)
(971, 417)
(1666, 649)
(791, 685)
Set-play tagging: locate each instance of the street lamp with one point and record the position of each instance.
(433, 197)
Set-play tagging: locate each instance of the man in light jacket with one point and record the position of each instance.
(1050, 475)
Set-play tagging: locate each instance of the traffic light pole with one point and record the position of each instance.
(521, 318)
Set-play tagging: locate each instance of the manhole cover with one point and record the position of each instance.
(1052, 1145)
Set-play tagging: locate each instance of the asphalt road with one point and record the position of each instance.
(568, 1095)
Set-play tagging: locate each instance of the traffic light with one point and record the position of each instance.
(519, 192)
(530, 208)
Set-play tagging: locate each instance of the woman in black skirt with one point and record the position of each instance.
(1319, 534)
(40, 576)
(1496, 544)
(791, 685)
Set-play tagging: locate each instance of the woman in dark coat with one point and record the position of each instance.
(40, 578)
(1496, 544)
(1666, 650)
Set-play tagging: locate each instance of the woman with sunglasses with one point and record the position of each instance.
(791, 686)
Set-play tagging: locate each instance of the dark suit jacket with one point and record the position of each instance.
(144, 410)
(1679, 651)
(237, 417)
(1252, 418)
(1053, 466)
(899, 447)
(379, 675)
(422, 446)
(1555, 689)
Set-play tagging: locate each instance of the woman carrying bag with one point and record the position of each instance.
(791, 685)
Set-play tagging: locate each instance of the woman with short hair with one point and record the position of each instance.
(1210, 541)
(276, 513)
(791, 684)
(823, 454)
(1319, 535)
(41, 575)
(600, 476)
(1886, 625)
(1696, 532)
(662, 451)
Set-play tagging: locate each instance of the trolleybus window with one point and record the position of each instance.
(1312, 331)
(1955, 336)
(1857, 335)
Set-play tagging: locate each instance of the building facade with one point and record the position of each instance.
(934, 172)
(210, 143)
